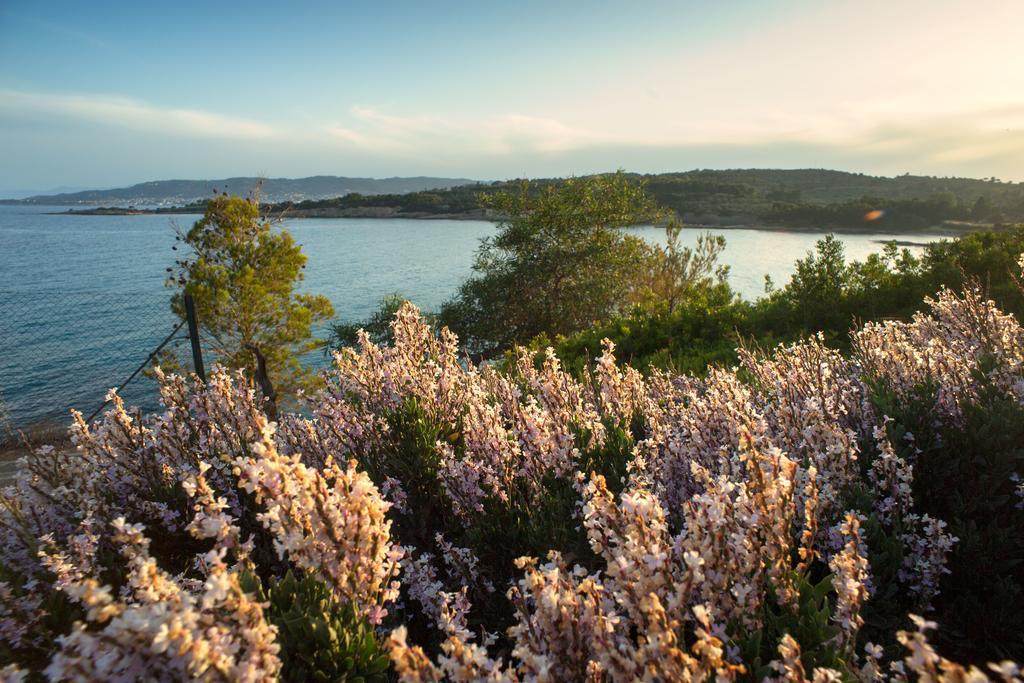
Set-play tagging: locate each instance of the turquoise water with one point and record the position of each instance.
(82, 299)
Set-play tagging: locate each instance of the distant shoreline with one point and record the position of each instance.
(948, 228)
(358, 212)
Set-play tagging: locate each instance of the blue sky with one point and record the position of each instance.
(112, 93)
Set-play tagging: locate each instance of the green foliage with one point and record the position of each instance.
(611, 459)
(886, 612)
(528, 526)
(826, 294)
(243, 277)
(57, 614)
(454, 200)
(320, 639)
(703, 330)
(799, 197)
(818, 281)
(534, 524)
(412, 457)
(829, 292)
(558, 263)
(809, 622)
(527, 522)
(822, 198)
(676, 274)
(875, 213)
(378, 325)
(965, 475)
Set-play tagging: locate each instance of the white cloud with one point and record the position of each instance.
(985, 140)
(347, 135)
(885, 136)
(544, 135)
(500, 134)
(129, 113)
(925, 142)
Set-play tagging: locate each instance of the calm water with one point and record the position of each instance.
(82, 300)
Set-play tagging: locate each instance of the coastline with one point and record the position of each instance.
(947, 228)
(362, 212)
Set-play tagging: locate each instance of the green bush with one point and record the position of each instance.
(320, 639)
(965, 474)
(56, 614)
(808, 621)
(827, 294)
(377, 326)
(412, 457)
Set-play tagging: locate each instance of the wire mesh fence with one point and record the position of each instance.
(64, 350)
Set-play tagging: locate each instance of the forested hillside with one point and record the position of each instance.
(788, 198)
(165, 192)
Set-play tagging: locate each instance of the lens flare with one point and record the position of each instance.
(874, 215)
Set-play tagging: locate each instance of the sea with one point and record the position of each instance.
(83, 299)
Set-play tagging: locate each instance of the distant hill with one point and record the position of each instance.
(755, 189)
(803, 198)
(9, 193)
(835, 199)
(177, 192)
(792, 198)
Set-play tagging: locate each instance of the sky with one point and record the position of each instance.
(105, 94)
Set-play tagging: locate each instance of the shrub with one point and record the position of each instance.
(968, 474)
(768, 520)
(320, 638)
(827, 294)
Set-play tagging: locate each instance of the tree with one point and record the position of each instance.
(558, 263)
(675, 273)
(377, 326)
(242, 275)
(819, 281)
(982, 208)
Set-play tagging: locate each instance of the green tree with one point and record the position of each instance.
(826, 293)
(242, 275)
(676, 273)
(377, 326)
(819, 281)
(558, 263)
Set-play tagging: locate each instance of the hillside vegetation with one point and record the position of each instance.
(810, 198)
(272, 189)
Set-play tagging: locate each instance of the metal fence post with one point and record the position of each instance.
(193, 336)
